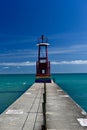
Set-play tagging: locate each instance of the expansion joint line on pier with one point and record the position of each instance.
(44, 108)
(30, 109)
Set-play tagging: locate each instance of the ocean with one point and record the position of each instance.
(14, 85)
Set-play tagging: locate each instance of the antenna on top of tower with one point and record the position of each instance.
(42, 39)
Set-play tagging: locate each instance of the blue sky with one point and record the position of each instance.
(64, 22)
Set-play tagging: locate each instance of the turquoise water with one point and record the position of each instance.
(75, 85)
(13, 86)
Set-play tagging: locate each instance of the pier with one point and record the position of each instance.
(60, 111)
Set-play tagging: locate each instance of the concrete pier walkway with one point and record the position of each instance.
(26, 112)
(62, 113)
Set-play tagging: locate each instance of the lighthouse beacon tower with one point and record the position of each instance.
(43, 65)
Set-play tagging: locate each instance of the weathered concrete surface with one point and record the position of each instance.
(62, 112)
(26, 112)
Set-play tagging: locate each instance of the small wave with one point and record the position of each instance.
(24, 83)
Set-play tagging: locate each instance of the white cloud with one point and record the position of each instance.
(19, 53)
(6, 67)
(61, 50)
(74, 62)
(82, 48)
(71, 43)
(27, 63)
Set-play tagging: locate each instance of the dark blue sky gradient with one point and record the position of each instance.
(47, 16)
